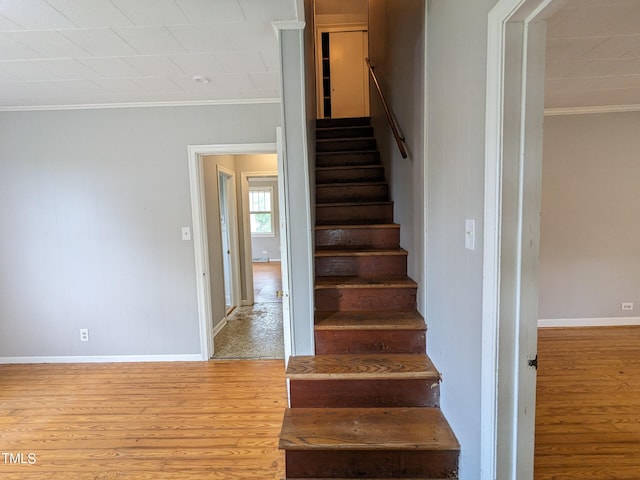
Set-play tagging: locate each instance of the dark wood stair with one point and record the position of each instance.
(366, 405)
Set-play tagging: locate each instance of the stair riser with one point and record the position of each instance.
(338, 342)
(345, 175)
(364, 393)
(344, 132)
(342, 122)
(344, 159)
(371, 464)
(365, 299)
(337, 215)
(343, 193)
(347, 145)
(358, 237)
(369, 266)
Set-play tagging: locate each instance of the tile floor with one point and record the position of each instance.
(255, 331)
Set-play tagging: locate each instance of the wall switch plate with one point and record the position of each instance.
(626, 306)
(84, 334)
(470, 234)
(186, 233)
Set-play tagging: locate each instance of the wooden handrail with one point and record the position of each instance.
(400, 140)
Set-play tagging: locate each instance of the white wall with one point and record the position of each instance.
(396, 44)
(589, 257)
(95, 201)
(457, 56)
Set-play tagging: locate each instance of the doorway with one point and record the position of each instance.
(342, 73)
(212, 301)
(228, 235)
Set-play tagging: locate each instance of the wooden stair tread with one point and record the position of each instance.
(357, 225)
(391, 281)
(361, 429)
(369, 321)
(342, 252)
(361, 367)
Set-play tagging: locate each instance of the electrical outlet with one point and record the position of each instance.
(626, 306)
(84, 334)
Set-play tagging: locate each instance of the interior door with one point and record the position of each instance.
(226, 241)
(348, 74)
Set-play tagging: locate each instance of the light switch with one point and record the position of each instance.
(186, 233)
(470, 234)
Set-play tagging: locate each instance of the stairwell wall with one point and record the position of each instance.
(397, 51)
(457, 58)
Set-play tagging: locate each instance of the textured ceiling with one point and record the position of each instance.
(593, 54)
(96, 52)
(78, 52)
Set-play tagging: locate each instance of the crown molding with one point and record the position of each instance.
(100, 106)
(550, 112)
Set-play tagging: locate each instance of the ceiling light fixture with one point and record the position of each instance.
(201, 79)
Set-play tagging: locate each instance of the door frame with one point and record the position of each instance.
(350, 27)
(513, 168)
(195, 154)
(232, 227)
(248, 259)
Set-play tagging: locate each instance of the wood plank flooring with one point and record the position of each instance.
(142, 421)
(588, 404)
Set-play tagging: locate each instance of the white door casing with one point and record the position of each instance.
(196, 181)
(513, 167)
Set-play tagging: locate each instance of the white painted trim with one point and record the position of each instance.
(220, 326)
(200, 248)
(288, 25)
(491, 254)
(550, 112)
(102, 106)
(425, 172)
(187, 357)
(492, 375)
(588, 322)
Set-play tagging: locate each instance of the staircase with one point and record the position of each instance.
(366, 406)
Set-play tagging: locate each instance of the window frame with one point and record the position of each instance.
(262, 188)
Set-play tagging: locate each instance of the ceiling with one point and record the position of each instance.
(96, 52)
(67, 53)
(593, 55)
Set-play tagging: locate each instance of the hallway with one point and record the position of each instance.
(255, 331)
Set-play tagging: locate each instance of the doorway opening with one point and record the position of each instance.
(342, 44)
(228, 237)
(222, 241)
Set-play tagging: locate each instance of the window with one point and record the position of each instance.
(261, 211)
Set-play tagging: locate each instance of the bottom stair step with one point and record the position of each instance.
(369, 443)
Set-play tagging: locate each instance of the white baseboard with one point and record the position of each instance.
(588, 322)
(190, 357)
(220, 326)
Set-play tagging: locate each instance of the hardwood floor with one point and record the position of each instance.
(588, 404)
(142, 421)
(267, 280)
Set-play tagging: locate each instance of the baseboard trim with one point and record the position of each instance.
(588, 322)
(191, 357)
(220, 326)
